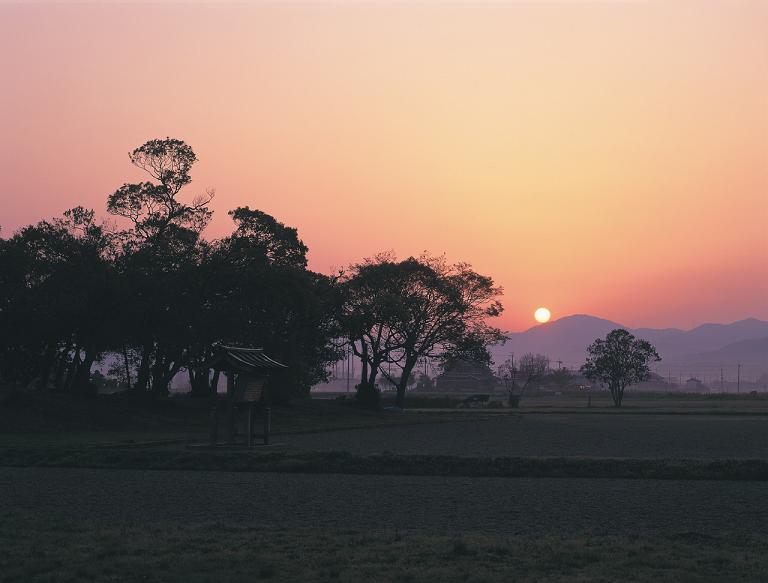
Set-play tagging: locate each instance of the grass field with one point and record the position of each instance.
(535, 494)
(128, 525)
(600, 402)
(218, 551)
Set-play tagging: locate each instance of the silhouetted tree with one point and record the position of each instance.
(58, 289)
(255, 289)
(619, 360)
(369, 305)
(530, 369)
(160, 259)
(398, 312)
(153, 207)
(262, 238)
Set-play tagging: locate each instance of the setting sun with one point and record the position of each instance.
(542, 315)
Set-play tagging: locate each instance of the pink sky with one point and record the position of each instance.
(601, 158)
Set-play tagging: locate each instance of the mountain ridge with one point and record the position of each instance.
(567, 338)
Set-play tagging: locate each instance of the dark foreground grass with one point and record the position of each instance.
(179, 458)
(66, 550)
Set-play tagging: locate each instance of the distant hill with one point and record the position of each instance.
(747, 352)
(704, 338)
(566, 339)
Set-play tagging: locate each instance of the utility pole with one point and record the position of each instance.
(738, 378)
(349, 364)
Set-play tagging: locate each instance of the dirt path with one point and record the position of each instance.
(429, 504)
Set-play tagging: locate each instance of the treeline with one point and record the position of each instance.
(155, 296)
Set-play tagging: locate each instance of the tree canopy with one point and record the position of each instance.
(397, 312)
(149, 296)
(152, 296)
(530, 369)
(619, 360)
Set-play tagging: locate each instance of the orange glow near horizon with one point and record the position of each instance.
(600, 158)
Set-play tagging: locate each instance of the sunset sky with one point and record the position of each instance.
(608, 158)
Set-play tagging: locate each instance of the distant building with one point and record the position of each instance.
(694, 385)
(463, 376)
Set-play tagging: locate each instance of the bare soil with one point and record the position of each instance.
(555, 434)
(126, 525)
(425, 503)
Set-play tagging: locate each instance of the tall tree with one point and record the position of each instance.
(160, 256)
(262, 238)
(258, 292)
(530, 369)
(58, 291)
(370, 292)
(153, 207)
(398, 312)
(157, 294)
(619, 360)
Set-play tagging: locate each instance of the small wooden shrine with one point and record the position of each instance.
(246, 370)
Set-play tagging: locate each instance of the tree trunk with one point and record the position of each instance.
(143, 376)
(127, 366)
(364, 363)
(46, 367)
(82, 379)
(616, 394)
(157, 371)
(214, 387)
(162, 374)
(200, 382)
(194, 389)
(72, 369)
(61, 367)
(374, 370)
(173, 370)
(402, 384)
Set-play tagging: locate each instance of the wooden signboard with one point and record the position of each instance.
(249, 388)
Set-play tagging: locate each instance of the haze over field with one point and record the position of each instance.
(600, 158)
(702, 350)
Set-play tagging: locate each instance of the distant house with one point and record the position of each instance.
(656, 383)
(464, 376)
(694, 385)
